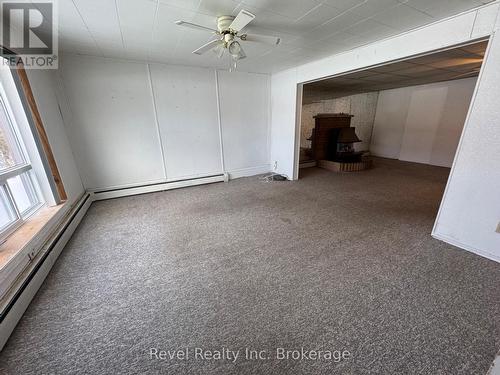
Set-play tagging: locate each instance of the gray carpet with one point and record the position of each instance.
(331, 262)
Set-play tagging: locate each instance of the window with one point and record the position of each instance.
(19, 191)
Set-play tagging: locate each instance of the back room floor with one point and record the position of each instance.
(330, 262)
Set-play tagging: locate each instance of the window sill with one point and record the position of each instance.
(25, 234)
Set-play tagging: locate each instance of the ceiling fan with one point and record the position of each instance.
(228, 31)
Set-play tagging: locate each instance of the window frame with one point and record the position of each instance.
(25, 169)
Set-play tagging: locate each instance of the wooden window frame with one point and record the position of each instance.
(42, 134)
(34, 118)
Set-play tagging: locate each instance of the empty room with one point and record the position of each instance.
(249, 187)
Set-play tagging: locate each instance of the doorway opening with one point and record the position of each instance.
(398, 124)
(383, 140)
(408, 111)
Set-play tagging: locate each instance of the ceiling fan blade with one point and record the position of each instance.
(195, 26)
(267, 39)
(208, 46)
(243, 18)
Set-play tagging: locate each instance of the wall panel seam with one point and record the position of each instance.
(219, 121)
(157, 122)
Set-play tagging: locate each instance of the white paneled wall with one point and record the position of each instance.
(47, 92)
(392, 110)
(455, 110)
(186, 104)
(113, 130)
(422, 123)
(284, 122)
(245, 130)
(135, 123)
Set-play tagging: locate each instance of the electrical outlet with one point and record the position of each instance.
(276, 167)
(498, 228)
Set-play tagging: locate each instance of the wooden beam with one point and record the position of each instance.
(42, 134)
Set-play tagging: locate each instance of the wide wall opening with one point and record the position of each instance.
(390, 125)
(412, 110)
(383, 140)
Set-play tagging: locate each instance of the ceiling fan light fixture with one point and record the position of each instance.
(234, 49)
(228, 29)
(219, 50)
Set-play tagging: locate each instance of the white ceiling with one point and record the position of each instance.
(457, 63)
(310, 29)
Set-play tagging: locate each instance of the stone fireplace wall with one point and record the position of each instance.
(362, 106)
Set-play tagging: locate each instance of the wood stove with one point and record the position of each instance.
(333, 141)
(345, 151)
(326, 132)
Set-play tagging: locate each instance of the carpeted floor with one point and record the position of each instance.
(333, 262)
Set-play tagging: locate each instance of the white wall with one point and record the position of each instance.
(390, 118)
(470, 210)
(362, 106)
(135, 123)
(186, 104)
(245, 130)
(283, 122)
(45, 90)
(113, 131)
(422, 123)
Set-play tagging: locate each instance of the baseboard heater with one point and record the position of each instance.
(32, 279)
(29, 283)
(160, 186)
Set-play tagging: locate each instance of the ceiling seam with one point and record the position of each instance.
(119, 23)
(155, 18)
(87, 27)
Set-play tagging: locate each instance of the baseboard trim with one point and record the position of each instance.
(307, 164)
(35, 276)
(177, 184)
(251, 171)
(123, 192)
(465, 247)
